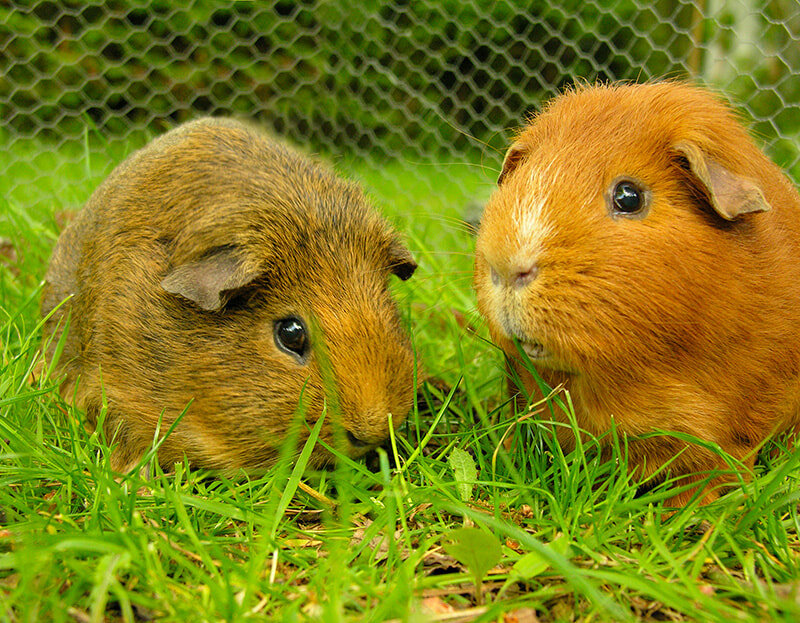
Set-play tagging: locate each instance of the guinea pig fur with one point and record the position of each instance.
(643, 251)
(217, 271)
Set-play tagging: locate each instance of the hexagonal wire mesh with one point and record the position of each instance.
(377, 80)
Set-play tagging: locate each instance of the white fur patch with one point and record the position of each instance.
(530, 229)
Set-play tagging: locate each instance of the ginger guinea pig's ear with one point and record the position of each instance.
(514, 156)
(401, 262)
(206, 280)
(730, 195)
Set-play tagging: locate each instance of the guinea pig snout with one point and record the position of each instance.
(509, 292)
(516, 275)
(370, 431)
(363, 442)
(357, 442)
(506, 296)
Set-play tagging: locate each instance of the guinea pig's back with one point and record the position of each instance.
(62, 287)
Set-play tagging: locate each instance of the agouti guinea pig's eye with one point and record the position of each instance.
(291, 336)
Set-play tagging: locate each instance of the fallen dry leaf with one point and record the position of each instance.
(418, 509)
(454, 616)
(78, 615)
(523, 615)
(436, 561)
(435, 605)
(707, 589)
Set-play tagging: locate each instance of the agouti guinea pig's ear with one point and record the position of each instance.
(401, 262)
(730, 195)
(514, 156)
(206, 280)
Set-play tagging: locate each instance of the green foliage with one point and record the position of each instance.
(533, 563)
(477, 549)
(464, 471)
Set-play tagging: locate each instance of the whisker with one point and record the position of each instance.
(476, 165)
(448, 253)
(467, 134)
(452, 279)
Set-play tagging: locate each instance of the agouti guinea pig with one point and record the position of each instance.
(218, 270)
(642, 250)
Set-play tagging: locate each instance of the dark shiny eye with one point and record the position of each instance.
(291, 336)
(627, 197)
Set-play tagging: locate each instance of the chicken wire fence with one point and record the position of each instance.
(375, 80)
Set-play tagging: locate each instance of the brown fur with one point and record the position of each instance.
(277, 235)
(684, 320)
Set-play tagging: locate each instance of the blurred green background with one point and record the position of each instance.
(380, 79)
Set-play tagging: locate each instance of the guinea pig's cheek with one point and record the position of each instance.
(491, 302)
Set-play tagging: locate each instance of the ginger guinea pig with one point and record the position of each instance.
(217, 271)
(643, 251)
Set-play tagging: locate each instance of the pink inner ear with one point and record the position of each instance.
(731, 195)
(514, 156)
(734, 195)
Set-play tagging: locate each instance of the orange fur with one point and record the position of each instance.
(683, 320)
(278, 235)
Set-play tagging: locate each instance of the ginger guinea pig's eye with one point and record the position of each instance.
(291, 337)
(628, 198)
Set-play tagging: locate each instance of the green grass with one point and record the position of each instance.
(359, 543)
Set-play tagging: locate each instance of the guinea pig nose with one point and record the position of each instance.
(518, 275)
(356, 442)
(522, 276)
